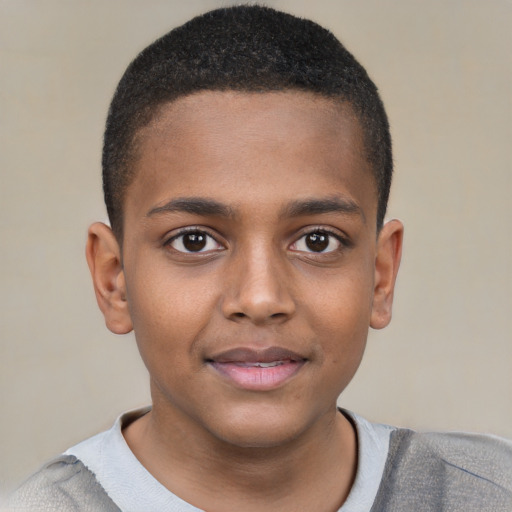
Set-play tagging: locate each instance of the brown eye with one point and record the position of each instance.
(194, 242)
(317, 242)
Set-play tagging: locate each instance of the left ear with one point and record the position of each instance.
(387, 261)
(104, 259)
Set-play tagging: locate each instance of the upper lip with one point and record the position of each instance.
(250, 355)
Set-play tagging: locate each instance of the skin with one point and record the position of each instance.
(283, 168)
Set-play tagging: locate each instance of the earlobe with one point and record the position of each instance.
(104, 259)
(387, 262)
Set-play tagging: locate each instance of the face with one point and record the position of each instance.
(251, 263)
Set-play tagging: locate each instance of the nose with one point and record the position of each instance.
(257, 289)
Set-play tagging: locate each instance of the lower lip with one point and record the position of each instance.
(258, 378)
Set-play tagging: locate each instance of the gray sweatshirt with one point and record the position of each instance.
(424, 472)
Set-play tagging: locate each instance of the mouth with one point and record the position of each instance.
(257, 370)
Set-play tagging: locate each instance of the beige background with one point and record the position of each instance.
(444, 69)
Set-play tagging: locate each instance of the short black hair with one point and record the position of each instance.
(248, 48)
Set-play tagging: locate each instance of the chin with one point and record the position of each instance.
(250, 437)
(260, 428)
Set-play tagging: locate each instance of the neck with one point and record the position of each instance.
(314, 470)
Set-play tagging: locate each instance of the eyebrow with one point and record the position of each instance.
(194, 205)
(315, 206)
(205, 207)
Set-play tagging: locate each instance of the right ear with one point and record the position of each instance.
(104, 259)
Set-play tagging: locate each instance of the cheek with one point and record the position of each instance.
(340, 318)
(343, 301)
(168, 311)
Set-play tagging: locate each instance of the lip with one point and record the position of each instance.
(257, 369)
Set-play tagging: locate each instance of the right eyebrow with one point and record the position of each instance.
(318, 206)
(194, 205)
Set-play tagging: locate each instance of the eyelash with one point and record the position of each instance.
(191, 231)
(341, 240)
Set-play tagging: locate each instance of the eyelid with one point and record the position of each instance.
(329, 230)
(175, 234)
(343, 239)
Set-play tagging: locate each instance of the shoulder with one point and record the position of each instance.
(63, 484)
(446, 471)
(485, 457)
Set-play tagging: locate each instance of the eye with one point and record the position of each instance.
(317, 242)
(194, 242)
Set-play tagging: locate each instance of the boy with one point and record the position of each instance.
(247, 165)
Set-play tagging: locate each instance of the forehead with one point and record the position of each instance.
(246, 146)
(214, 114)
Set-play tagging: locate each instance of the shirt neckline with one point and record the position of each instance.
(132, 488)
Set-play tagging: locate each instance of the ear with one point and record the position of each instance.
(387, 261)
(104, 259)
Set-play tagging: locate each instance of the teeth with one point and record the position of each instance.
(265, 365)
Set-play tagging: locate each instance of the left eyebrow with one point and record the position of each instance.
(194, 205)
(316, 206)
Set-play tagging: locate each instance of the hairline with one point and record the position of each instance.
(155, 110)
